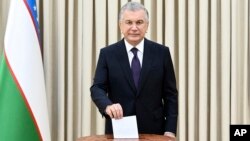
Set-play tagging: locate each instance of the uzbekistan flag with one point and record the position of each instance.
(23, 106)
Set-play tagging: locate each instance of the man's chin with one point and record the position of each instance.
(134, 42)
(135, 39)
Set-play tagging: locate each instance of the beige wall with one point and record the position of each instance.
(209, 43)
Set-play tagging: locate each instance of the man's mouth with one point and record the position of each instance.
(134, 34)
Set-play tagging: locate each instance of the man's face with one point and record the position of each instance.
(133, 26)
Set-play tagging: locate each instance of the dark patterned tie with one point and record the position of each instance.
(135, 66)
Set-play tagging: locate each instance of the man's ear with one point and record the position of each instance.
(147, 25)
(120, 24)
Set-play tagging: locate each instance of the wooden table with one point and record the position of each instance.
(142, 137)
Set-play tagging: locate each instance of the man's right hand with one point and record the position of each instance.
(114, 111)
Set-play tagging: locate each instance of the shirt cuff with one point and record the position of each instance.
(170, 134)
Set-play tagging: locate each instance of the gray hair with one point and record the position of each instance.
(133, 6)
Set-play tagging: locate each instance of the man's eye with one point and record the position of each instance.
(139, 22)
(129, 22)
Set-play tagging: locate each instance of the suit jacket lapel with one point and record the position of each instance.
(148, 57)
(122, 57)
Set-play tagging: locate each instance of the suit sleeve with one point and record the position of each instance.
(100, 85)
(170, 94)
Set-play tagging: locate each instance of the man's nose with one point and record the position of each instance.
(134, 27)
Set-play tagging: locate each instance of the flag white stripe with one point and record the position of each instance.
(24, 56)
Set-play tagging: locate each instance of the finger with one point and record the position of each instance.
(113, 111)
(119, 111)
(109, 112)
(116, 111)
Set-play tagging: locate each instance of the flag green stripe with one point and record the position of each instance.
(15, 119)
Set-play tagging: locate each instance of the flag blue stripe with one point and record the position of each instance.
(32, 8)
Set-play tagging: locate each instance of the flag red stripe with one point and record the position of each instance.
(23, 96)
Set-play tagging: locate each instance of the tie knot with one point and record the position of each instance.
(134, 50)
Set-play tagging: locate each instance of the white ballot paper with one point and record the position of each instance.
(125, 127)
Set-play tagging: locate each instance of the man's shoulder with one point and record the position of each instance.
(114, 45)
(155, 44)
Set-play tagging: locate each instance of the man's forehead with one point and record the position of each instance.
(141, 11)
(138, 14)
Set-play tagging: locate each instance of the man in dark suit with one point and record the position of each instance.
(135, 76)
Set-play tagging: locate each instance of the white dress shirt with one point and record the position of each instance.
(140, 48)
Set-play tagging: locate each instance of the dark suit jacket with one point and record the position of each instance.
(154, 103)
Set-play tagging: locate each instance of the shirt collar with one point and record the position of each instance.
(140, 46)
